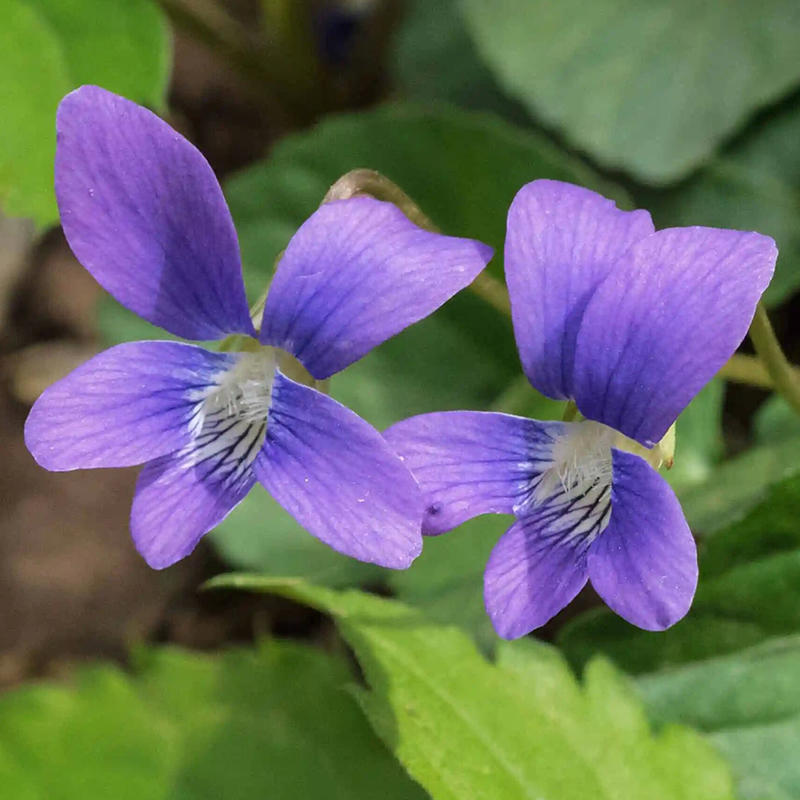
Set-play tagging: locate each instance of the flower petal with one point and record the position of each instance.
(472, 462)
(561, 242)
(178, 500)
(644, 564)
(356, 273)
(672, 311)
(143, 212)
(533, 572)
(338, 478)
(125, 406)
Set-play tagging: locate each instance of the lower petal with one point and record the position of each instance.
(644, 565)
(178, 500)
(337, 476)
(533, 572)
(472, 462)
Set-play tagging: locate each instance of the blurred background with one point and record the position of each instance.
(691, 110)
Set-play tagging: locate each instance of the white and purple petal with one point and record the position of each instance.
(672, 310)
(561, 242)
(127, 405)
(356, 273)
(472, 462)
(644, 564)
(533, 572)
(335, 474)
(143, 212)
(180, 497)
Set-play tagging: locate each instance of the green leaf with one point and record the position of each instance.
(698, 438)
(749, 591)
(273, 722)
(775, 422)
(522, 728)
(754, 184)
(651, 87)
(748, 704)
(49, 47)
(433, 34)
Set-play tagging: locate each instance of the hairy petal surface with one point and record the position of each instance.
(472, 462)
(644, 564)
(561, 242)
(356, 273)
(532, 573)
(180, 498)
(672, 310)
(143, 212)
(125, 406)
(335, 474)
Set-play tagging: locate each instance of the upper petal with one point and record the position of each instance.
(533, 572)
(644, 564)
(672, 310)
(143, 212)
(127, 405)
(561, 241)
(356, 273)
(335, 474)
(472, 462)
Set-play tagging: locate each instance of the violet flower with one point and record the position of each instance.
(629, 324)
(143, 212)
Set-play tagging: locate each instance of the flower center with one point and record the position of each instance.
(230, 420)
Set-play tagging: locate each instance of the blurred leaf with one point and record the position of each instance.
(435, 60)
(749, 704)
(49, 47)
(749, 591)
(523, 728)
(698, 438)
(649, 87)
(775, 421)
(273, 722)
(754, 184)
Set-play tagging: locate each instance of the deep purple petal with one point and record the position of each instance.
(178, 500)
(125, 406)
(531, 575)
(644, 565)
(143, 212)
(561, 242)
(356, 273)
(338, 478)
(471, 462)
(672, 311)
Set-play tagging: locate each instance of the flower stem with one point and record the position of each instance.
(783, 375)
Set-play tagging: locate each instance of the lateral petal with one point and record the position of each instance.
(335, 474)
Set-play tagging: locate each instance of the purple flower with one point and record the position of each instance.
(143, 212)
(630, 324)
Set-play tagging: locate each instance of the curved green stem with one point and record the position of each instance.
(783, 374)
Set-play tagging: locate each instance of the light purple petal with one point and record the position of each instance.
(561, 242)
(356, 273)
(471, 462)
(644, 565)
(143, 212)
(533, 572)
(178, 500)
(671, 312)
(125, 406)
(338, 478)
